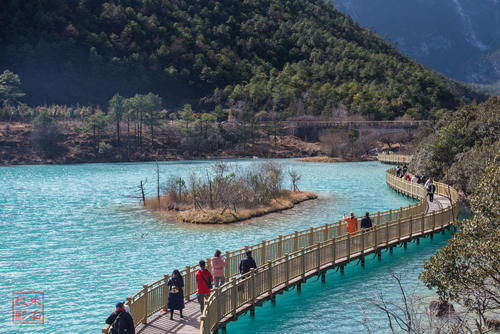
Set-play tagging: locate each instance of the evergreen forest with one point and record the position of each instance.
(293, 58)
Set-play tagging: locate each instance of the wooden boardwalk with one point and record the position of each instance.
(161, 322)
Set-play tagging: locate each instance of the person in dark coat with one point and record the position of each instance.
(247, 263)
(398, 171)
(366, 222)
(121, 321)
(175, 293)
(405, 169)
(431, 189)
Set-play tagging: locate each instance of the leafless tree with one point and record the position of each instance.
(408, 317)
(294, 178)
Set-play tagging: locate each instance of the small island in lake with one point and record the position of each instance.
(226, 195)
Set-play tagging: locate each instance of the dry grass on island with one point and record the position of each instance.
(227, 195)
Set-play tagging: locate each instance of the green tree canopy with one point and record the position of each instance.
(467, 270)
(10, 88)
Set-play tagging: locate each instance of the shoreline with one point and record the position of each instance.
(215, 217)
(326, 159)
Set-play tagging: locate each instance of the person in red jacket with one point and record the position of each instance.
(352, 223)
(203, 284)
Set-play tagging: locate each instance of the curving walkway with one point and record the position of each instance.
(290, 260)
(161, 322)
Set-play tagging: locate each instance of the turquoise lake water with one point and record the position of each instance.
(76, 233)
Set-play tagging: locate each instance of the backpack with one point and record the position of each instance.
(118, 325)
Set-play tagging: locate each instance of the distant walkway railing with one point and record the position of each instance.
(394, 158)
(346, 124)
(154, 297)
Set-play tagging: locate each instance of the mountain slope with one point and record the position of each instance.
(291, 57)
(460, 38)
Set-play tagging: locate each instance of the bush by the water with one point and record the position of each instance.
(226, 187)
(46, 135)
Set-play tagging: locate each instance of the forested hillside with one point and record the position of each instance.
(459, 38)
(292, 57)
(460, 144)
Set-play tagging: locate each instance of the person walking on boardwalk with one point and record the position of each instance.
(218, 266)
(366, 222)
(247, 263)
(175, 293)
(352, 223)
(398, 171)
(203, 284)
(121, 321)
(405, 169)
(429, 180)
(431, 189)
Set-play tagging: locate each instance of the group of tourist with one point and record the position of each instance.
(121, 320)
(352, 222)
(419, 179)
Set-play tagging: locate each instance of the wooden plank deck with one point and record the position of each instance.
(190, 324)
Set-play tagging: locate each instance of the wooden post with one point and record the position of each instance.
(287, 269)
(270, 265)
(348, 247)
(433, 220)
(319, 255)
(399, 229)
(387, 233)
(209, 264)
(233, 294)
(423, 223)
(252, 278)
(311, 236)
(363, 234)
(339, 229)
(375, 237)
(296, 241)
(378, 217)
(165, 293)
(362, 242)
(411, 226)
(334, 250)
(217, 300)
(187, 283)
(325, 236)
(227, 274)
(263, 253)
(390, 215)
(145, 294)
(303, 262)
(280, 246)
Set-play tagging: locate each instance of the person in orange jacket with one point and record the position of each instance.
(352, 223)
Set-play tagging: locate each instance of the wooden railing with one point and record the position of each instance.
(394, 158)
(346, 124)
(153, 297)
(276, 274)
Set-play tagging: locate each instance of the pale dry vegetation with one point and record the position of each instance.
(227, 194)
